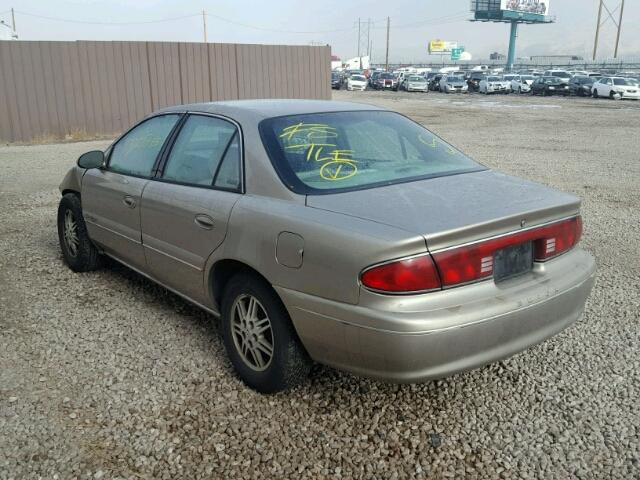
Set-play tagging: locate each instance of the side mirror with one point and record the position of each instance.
(92, 159)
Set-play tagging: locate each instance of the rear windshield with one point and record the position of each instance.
(338, 151)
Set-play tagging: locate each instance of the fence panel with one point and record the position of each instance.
(59, 88)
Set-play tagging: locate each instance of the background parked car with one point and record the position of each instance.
(386, 81)
(453, 83)
(336, 81)
(494, 84)
(357, 82)
(581, 86)
(372, 79)
(434, 83)
(561, 74)
(610, 86)
(549, 86)
(522, 83)
(473, 80)
(416, 83)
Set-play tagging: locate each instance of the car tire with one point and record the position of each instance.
(595, 93)
(288, 364)
(519, 91)
(78, 251)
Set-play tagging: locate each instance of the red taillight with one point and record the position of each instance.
(475, 262)
(414, 274)
(469, 263)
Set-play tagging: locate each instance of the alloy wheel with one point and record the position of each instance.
(252, 333)
(71, 239)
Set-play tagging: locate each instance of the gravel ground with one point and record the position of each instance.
(105, 375)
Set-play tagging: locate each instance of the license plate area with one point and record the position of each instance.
(512, 261)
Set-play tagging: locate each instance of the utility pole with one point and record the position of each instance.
(13, 20)
(616, 22)
(204, 25)
(386, 61)
(358, 37)
(368, 33)
(615, 52)
(595, 43)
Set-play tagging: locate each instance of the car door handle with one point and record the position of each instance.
(129, 201)
(204, 221)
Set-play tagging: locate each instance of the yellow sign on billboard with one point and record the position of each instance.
(441, 46)
(436, 46)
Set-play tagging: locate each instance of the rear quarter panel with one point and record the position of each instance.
(336, 247)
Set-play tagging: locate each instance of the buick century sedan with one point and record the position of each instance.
(332, 232)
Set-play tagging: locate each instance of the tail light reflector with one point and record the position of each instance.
(474, 262)
(415, 274)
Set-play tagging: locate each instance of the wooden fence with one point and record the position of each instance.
(88, 88)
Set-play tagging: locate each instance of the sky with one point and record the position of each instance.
(333, 22)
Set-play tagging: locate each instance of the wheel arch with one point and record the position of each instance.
(224, 270)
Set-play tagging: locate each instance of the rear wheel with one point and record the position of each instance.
(79, 252)
(595, 93)
(259, 336)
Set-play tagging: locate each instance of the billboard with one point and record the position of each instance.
(440, 46)
(536, 7)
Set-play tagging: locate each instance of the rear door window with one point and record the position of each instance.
(199, 150)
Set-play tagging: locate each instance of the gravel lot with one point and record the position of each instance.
(105, 375)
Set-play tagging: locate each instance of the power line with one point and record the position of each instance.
(276, 30)
(217, 17)
(87, 22)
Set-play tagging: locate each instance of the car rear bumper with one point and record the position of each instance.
(420, 337)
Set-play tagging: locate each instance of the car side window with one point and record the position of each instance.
(199, 149)
(136, 152)
(229, 171)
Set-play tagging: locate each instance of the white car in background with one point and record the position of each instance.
(613, 86)
(357, 82)
(494, 84)
(522, 83)
(561, 74)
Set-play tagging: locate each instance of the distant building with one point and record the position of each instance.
(555, 58)
(497, 56)
(336, 63)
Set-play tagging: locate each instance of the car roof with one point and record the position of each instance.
(247, 110)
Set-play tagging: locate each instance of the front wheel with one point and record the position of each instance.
(259, 336)
(595, 94)
(79, 252)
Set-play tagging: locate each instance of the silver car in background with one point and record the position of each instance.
(453, 83)
(416, 83)
(334, 232)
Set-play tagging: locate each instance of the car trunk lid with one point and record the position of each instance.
(455, 209)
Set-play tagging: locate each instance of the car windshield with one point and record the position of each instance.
(585, 80)
(416, 78)
(493, 79)
(620, 81)
(455, 78)
(359, 78)
(527, 77)
(511, 77)
(552, 80)
(332, 152)
(560, 74)
(387, 76)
